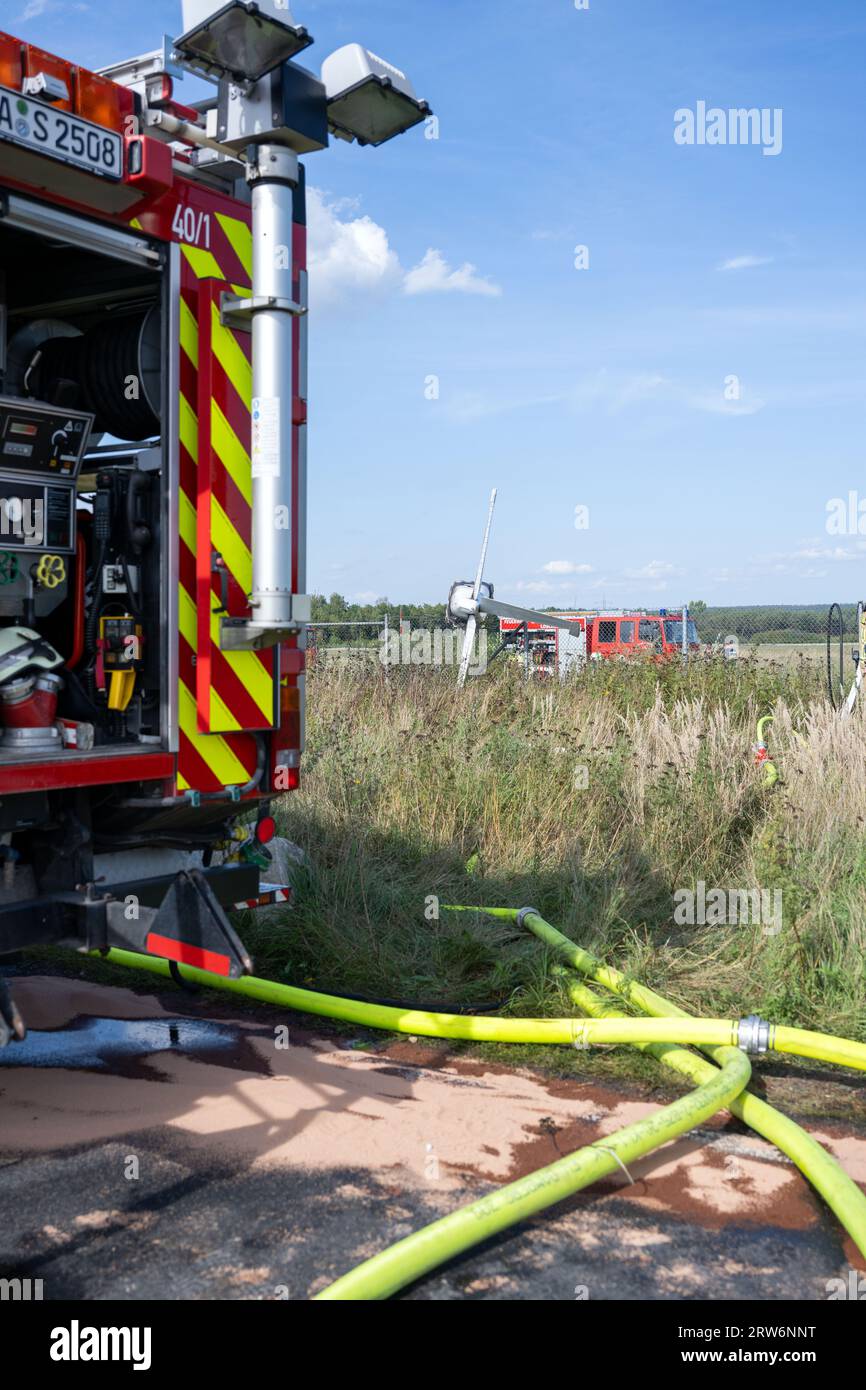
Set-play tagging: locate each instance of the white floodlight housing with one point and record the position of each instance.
(369, 100)
(243, 39)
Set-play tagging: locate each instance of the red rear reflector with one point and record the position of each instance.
(266, 829)
(103, 101)
(184, 954)
(290, 695)
(10, 63)
(149, 165)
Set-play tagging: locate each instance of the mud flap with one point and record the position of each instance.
(189, 928)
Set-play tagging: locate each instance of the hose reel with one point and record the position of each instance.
(112, 369)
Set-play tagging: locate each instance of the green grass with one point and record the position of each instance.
(414, 792)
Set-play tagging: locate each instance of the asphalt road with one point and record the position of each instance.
(153, 1148)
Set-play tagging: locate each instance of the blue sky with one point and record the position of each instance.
(603, 387)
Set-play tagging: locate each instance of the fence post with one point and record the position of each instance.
(686, 633)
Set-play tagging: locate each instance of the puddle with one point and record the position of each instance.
(100, 1043)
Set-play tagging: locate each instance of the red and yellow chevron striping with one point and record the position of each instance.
(223, 696)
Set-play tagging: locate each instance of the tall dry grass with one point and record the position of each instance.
(595, 800)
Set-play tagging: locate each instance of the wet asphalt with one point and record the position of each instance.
(154, 1216)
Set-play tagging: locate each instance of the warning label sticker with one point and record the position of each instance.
(266, 437)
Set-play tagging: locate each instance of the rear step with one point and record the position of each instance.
(189, 927)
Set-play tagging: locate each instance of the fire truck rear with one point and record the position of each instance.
(153, 408)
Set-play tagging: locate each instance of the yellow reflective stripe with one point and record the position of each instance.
(241, 238)
(226, 540)
(188, 427)
(187, 618)
(221, 718)
(250, 671)
(187, 522)
(211, 748)
(233, 361)
(203, 264)
(189, 333)
(231, 453)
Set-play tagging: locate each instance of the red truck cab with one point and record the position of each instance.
(630, 633)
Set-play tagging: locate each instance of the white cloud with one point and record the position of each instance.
(602, 391)
(715, 404)
(348, 254)
(541, 586)
(534, 586)
(566, 567)
(615, 394)
(33, 9)
(433, 275)
(656, 569)
(647, 586)
(815, 551)
(745, 262)
(351, 255)
(465, 406)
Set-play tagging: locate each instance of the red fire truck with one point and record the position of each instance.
(153, 419)
(604, 635)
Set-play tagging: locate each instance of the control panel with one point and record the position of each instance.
(42, 439)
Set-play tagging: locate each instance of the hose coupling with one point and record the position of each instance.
(526, 912)
(754, 1035)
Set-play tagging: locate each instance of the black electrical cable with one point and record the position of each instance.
(105, 843)
(413, 1006)
(92, 624)
(836, 690)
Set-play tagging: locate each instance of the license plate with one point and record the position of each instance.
(60, 135)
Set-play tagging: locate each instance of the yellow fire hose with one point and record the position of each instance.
(409, 1259)
(662, 1035)
(841, 1194)
(568, 1032)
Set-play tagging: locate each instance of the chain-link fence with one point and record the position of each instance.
(349, 641)
(779, 633)
(776, 631)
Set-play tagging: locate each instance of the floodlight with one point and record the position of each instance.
(285, 107)
(243, 39)
(369, 100)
